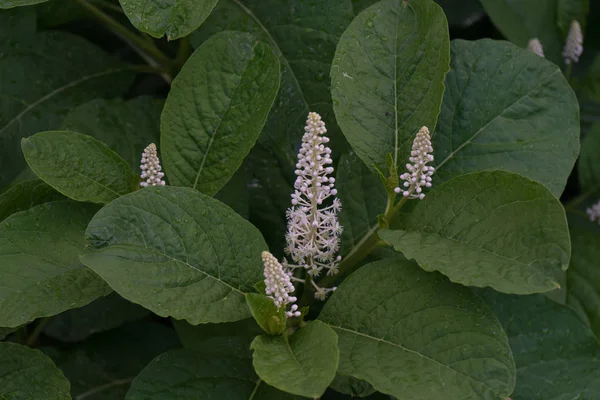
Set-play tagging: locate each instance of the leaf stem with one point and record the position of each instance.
(114, 26)
(32, 339)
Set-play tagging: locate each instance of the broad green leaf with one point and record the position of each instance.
(303, 34)
(524, 129)
(178, 253)
(351, 386)
(58, 12)
(557, 356)
(414, 335)
(79, 166)
(226, 339)
(490, 228)
(40, 272)
(39, 87)
(19, 3)
(235, 194)
(127, 127)
(303, 363)
(175, 19)
(216, 109)
(103, 367)
(271, 320)
(571, 10)
(100, 315)
(380, 99)
(189, 375)
(25, 195)
(363, 199)
(588, 167)
(4, 332)
(27, 374)
(521, 20)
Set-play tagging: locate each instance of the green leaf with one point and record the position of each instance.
(557, 356)
(271, 320)
(363, 199)
(531, 129)
(79, 166)
(216, 109)
(41, 87)
(19, 3)
(588, 167)
(127, 127)
(489, 228)
(25, 195)
(188, 375)
(568, 11)
(302, 364)
(380, 100)
(521, 20)
(103, 367)
(4, 332)
(235, 194)
(178, 253)
(40, 273)
(414, 335)
(175, 19)
(351, 386)
(100, 315)
(28, 374)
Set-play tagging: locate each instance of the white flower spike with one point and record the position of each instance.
(313, 236)
(279, 285)
(535, 46)
(419, 173)
(574, 44)
(151, 170)
(594, 212)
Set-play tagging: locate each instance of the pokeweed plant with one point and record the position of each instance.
(406, 241)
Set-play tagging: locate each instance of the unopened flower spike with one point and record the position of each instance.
(419, 173)
(279, 285)
(574, 44)
(313, 236)
(535, 46)
(594, 212)
(151, 170)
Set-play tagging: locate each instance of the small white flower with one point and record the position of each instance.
(419, 173)
(279, 285)
(151, 170)
(322, 293)
(536, 47)
(313, 236)
(574, 44)
(594, 212)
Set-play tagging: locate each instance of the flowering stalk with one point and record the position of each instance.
(535, 46)
(313, 236)
(151, 169)
(419, 173)
(279, 285)
(574, 44)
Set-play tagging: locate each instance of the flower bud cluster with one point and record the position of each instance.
(574, 44)
(151, 170)
(593, 212)
(279, 285)
(535, 46)
(313, 236)
(419, 173)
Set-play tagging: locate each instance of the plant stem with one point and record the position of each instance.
(185, 49)
(114, 26)
(110, 6)
(32, 339)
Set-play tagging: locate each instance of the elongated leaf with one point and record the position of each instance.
(490, 228)
(25, 195)
(521, 20)
(363, 199)
(414, 335)
(175, 19)
(103, 367)
(525, 129)
(18, 3)
(557, 356)
(40, 272)
(302, 364)
(79, 166)
(82, 72)
(216, 109)
(380, 99)
(100, 315)
(178, 253)
(188, 375)
(28, 374)
(127, 127)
